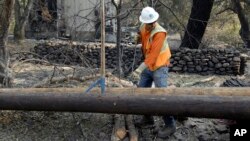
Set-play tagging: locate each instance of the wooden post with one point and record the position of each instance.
(102, 79)
(228, 103)
(103, 40)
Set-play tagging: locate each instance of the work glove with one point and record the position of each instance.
(135, 75)
(137, 38)
(141, 68)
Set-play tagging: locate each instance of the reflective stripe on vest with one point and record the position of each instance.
(157, 29)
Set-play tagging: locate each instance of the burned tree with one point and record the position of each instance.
(197, 23)
(42, 19)
(22, 10)
(117, 4)
(120, 15)
(5, 16)
(244, 30)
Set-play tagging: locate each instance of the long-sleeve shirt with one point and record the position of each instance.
(154, 50)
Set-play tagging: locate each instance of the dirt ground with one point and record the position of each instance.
(72, 126)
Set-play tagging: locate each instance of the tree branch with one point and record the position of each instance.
(224, 10)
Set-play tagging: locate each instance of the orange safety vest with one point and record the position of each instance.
(163, 58)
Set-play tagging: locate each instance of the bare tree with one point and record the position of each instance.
(177, 17)
(22, 10)
(197, 23)
(6, 7)
(117, 4)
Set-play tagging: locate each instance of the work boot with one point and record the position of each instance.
(146, 120)
(169, 128)
(166, 131)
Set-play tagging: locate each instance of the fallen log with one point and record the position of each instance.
(119, 126)
(229, 103)
(113, 136)
(197, 82)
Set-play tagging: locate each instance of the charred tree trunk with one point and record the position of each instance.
(5, 16)
(244, 30)
(22, 11)
(197, 23)
(118, 37)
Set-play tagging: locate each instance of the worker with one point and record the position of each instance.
(154, 68)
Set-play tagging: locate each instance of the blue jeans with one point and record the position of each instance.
(159, 77)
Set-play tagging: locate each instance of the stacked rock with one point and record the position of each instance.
(200, 61)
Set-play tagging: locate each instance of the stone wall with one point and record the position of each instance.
(207, 61)
(204, 61)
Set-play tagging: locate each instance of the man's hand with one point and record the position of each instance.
(141, 68)
(137, 38)
(135, 75)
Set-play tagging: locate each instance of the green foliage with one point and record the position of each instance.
(229, 33)
(224, 25)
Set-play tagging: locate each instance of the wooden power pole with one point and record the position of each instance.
(228, 103)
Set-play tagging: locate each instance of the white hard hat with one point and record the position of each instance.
(148, 15)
